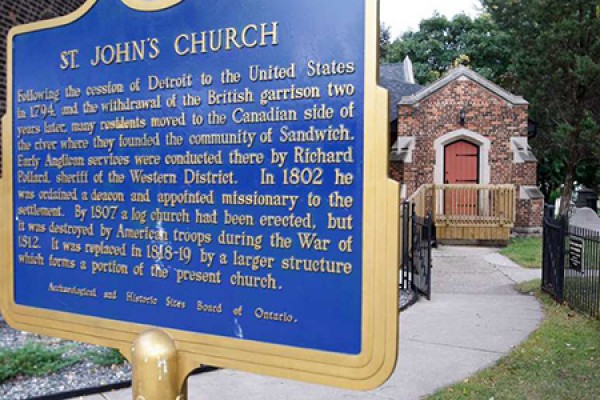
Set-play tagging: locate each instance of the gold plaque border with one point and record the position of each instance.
(381, 228)
(156, 5)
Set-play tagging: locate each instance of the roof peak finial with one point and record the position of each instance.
(408, 70)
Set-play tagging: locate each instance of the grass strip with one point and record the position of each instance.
(527, 252)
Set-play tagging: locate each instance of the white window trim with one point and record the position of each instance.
(517, 145)
(405, 142)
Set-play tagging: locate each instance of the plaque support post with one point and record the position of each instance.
(157, 373)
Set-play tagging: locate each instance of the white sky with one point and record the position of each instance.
(402, 15)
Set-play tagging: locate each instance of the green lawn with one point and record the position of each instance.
(560, 361)
(582, 293)
(527, 252)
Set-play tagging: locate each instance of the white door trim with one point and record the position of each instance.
(472, 137)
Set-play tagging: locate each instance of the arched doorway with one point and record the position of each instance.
(461, 167)
(472, 138)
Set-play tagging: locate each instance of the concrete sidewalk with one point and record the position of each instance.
(474, 319)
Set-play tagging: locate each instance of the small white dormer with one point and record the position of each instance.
(402, 150)
(521, 150)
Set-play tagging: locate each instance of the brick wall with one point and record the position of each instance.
(486, 114)
(396, 171)
(13, 13)
(530, 213)
(525, 174)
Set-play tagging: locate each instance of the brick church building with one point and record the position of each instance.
(462, 130)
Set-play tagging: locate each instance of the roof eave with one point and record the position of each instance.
(456, 74)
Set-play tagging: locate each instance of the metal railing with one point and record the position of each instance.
(417, 241)
(553, 257)
(571, 265)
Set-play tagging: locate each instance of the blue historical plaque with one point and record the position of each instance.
(204, 167)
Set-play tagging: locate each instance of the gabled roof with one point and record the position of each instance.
(393, 71)
(458, 73)
(393, 77)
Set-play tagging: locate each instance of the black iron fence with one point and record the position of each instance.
(417, 239)
(554, 255)
(571, 265)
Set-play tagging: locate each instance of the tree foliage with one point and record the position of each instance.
(385, 36)
(556, 62)
(442, 43)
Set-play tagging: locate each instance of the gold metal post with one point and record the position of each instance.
(156, 374)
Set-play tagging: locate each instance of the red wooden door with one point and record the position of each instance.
(461, 168)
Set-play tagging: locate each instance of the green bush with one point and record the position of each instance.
(32, 360)
(106, 358)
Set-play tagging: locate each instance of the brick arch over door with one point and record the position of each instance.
(482, 142)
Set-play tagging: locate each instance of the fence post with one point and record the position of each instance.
(434, 201)
(405, 238)
(414, 243)
(564, 228)
(545, 255)
(429, 224)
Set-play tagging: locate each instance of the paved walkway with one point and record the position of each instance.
(474, 319)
